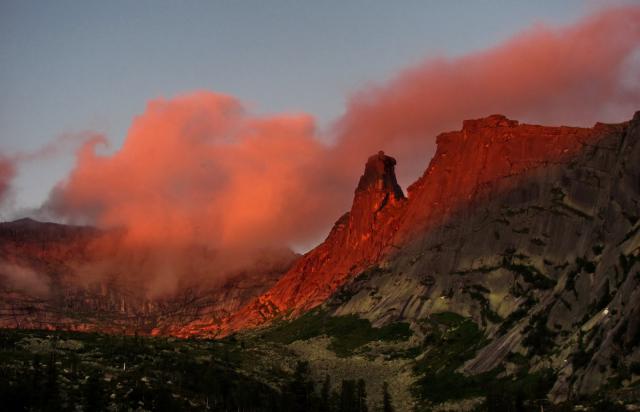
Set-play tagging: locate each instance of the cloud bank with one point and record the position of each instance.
(574, 75)
(200, 168)
(7, 173)
(23, 279)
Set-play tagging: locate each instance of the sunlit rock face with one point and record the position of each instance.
(468, 164)
(529, 230)
(534, 233)
(356, 242)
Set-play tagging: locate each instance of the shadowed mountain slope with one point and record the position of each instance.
(529, 231)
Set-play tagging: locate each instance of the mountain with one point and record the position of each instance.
(351, 246)
(530, 233)
(80, 278)
(507, 275)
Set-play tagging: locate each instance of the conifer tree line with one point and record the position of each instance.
(349, 396)
(39, 385)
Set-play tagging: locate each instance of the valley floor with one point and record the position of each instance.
(59, 371)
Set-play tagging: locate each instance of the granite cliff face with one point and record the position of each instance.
(530, 231)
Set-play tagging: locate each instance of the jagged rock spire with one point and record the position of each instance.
(379, 175)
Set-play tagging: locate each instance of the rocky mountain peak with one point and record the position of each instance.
(487, 160)
(379, 175)
(493, 121)
(355, 242)
(377, 189)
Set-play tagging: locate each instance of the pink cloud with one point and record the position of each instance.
(199, 168)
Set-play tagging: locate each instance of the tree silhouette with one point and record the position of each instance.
(95, 399)
(302, 389)
(362, 396)
(348, 398)
(387, 405)
(325, 394)
(52, 390)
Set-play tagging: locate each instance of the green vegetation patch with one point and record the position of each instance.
(447, 318)
(539, 338)
(529, 273)
(519, 313)
(478, 292)
(521, 392)
(347, 333)
(452, 339)
(627, 262)
(55, 371)
(516, 393)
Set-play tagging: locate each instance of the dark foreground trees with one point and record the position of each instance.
(98, 372)
(302, 395)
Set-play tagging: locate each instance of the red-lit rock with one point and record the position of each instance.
(471, 165)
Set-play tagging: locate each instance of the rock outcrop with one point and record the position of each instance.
(531, 231)
(356, 242)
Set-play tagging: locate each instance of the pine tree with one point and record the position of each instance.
(362, 396)
(325, 394)
(52, 390)
(348, 399)
(335, 399)
(95, 399)
(36, 389)
(302, 388)
(387, 406)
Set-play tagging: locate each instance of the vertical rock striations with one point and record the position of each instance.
(530, 231)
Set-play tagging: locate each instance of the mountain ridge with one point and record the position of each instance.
(525, 237)
(529, 232)
(506, 149)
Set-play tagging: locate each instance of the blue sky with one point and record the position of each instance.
(68, 67)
